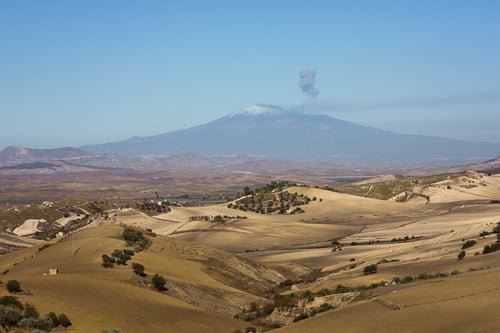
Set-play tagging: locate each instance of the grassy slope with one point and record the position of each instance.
(96, 298)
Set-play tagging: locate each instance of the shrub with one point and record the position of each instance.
(325, 307)
(267, 309)
(13, 286)
(64, 320)
(283, 301)
(468, 244)
(407, 279)
(300, 317)
(461, 255)
(455, 272)
(308, 295)
(370, 269)
(496, 229)
(158, 282)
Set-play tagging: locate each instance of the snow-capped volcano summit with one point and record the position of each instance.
(260, 109)
(272, 131)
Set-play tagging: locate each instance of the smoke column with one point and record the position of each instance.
(307, 81)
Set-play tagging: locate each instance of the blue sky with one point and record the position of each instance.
(81, 72)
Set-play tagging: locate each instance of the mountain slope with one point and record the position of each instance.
(14, 155)
(270, 131)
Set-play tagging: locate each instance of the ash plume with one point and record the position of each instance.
(307, 81)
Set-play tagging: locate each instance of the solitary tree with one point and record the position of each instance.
(370, 269)
(158, 282)
(13, 286)
(138, 269)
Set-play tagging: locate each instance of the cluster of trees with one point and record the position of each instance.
(119, 257)
(268, 188)
(135, 237)
(267, 203)
(14, 314)
(217, 218)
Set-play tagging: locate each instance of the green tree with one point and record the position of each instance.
(11, 300)
(370, 269)
(64, 320)
(44, 324)
(247, 190)
(407, 279)
(107, 261)
(30, 311)
(138, 269)
(54, 318)
(10, 315)
(158, 282)
(13, 286)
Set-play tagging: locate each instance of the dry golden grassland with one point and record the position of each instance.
(207, 286)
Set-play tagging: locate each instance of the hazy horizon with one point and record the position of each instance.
(86, 72)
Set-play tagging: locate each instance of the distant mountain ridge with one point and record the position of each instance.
(14, 155)
(270, 131)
